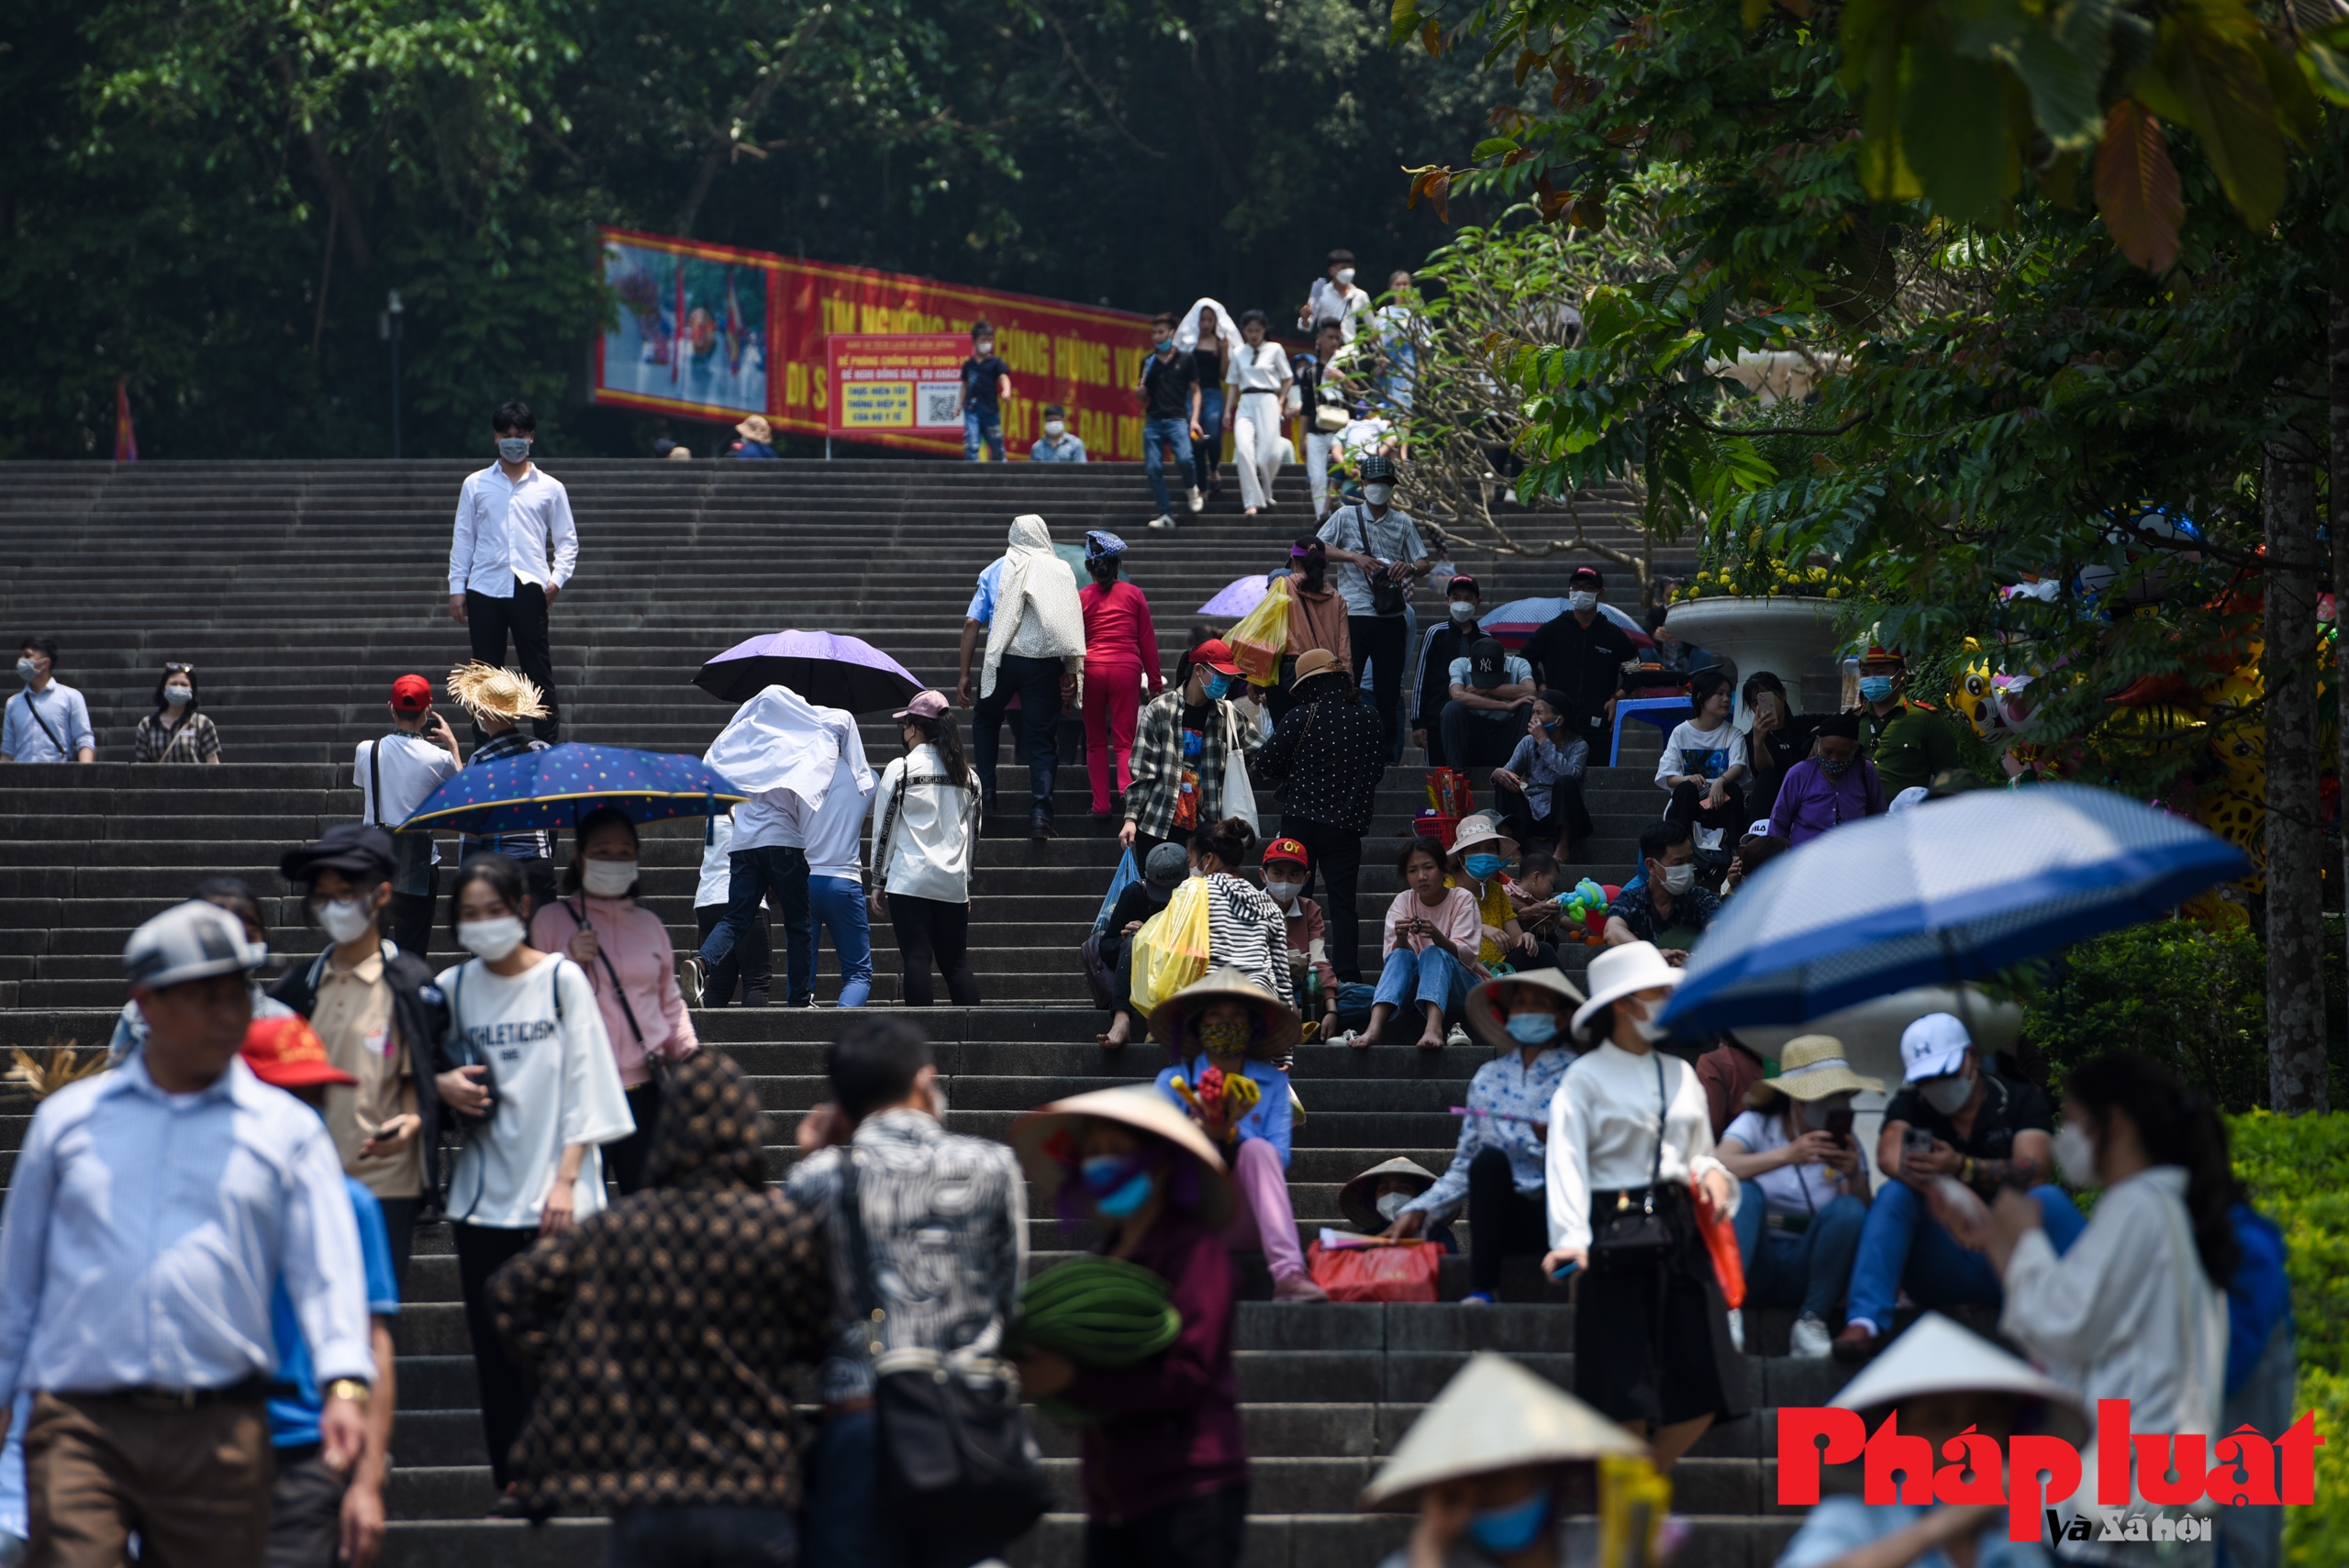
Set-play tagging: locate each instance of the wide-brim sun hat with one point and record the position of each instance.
(1137, 1106)
(1936, 1355)
(1617, 972)
(1494, 1415)
(1487, 1023)
(485, 691)
(1812, 1066)
(1358, 1199)
(1478, 828)
(1314, 662)
(1277, 1028)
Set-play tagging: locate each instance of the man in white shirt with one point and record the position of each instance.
(48, 721)
(150, 1213)
(406, 766)
(511, 518)
(835, 867)
(1335, 298)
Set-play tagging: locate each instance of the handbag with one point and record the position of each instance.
(1239, 795)
(960, 1469)
(1387, 597)
(1720, 1232)
(1637, 1237)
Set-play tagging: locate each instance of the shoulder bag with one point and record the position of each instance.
(959, 1467)
(654, 1060)
(33, 709)
(1630, 1238)
(1386, 596)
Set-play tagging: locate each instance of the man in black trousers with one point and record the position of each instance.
(513, 551)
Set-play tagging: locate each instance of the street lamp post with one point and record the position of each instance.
(392, 314)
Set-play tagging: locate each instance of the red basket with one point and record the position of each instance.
(1430, 824)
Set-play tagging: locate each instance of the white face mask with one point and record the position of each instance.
(1677, 879)
(1648, 1028)
(1054, 428)
(1378, 494)
(1284, 893)
(1583, 600)
(1345, 276)
(179, 696)
(606, 879)
(2075, 1155)
(26, 670)
(491, 940)
(1947, 1096)
(1464, 609)
(346, 919)
(1391, 1204)
(514, 448)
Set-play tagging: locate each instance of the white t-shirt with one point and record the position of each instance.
(556, 1083)
(1701, 753)
(834, 833)
(717, 884)
(1789, 1189)
(412, 768)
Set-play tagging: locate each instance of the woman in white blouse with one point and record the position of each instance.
(925, 833)
(2136, 1307)
(1262, 388)
(1630, 1129)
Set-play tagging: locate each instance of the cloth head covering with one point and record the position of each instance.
(1934, 1047)
(780, 740)
(711, 1132)
(1100, 544)
(1617, 972)
(1227, 331)
(1495, 1414)
(1846, 724)
(1035, 582)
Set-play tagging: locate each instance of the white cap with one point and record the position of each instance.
(189, 941)
(1934, 1047)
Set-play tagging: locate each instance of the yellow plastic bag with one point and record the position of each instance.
(1171, 948)
(1262, 635)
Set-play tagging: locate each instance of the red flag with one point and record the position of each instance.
(126, 439)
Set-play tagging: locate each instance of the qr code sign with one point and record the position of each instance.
(935, 405)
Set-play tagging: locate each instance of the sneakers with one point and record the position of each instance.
(1298, 1287)
(691, 974)
(1810, 1341)
(1737, 1328)
(1163, 520)
(1456, 1035)
(1857, 1342)
(1198, 500)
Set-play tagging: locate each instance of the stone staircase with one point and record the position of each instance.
(301, 591)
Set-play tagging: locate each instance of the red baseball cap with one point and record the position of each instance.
(1216, 655)
(411, 694)
(1288, 852)
(287, 1052)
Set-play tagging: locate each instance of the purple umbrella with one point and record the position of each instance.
(1239, 596)
(828, 669)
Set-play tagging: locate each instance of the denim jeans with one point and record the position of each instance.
(702, 1535)
(842, 1531)
(837, 904)
(1037, 684)
(1902, 1245)
(1783, 1268)
(981, 425)
(1207, 452)
(778, 874)
(1434, 975)
(1154, 433)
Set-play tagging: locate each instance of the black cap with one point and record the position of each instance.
(1589, 573)
(1375, 469)
(1487, 662)
(349, 848)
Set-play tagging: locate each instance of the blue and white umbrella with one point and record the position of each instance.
(1957, 889)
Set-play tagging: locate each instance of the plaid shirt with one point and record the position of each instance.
(1158, 762)
(193, 741)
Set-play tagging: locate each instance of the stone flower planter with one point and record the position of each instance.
(1790, 637)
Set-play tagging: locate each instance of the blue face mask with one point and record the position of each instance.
(1506, 1531)
(1532, 1029)
(1876, 688)
(1126, 1199)
(1484, 868)
(1219, 684)
(1119, 1186)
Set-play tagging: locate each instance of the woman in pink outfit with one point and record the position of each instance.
(1120, 652)
(624, 949)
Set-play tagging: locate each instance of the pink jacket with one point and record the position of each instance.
(638, 945)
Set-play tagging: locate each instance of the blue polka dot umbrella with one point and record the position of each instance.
(556, 787)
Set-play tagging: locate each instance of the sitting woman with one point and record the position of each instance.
(1805, 1188)
(1539, 789)
(1433, 932)
(1164, 1459)
(1498, 1171)
(1246, 930)
(1229, 1025)
(1374, 1200)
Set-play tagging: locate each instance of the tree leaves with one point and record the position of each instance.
(2206, 74)
(2137, 188)
(1955, 127)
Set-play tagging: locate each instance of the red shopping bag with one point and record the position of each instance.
(1720, 1241)
(1392, 1271)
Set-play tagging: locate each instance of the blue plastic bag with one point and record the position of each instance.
(1126, 876)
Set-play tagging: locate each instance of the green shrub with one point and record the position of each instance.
(2191, 998)
(2317, 1536)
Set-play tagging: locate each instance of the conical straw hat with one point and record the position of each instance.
(1937, 1355)
(1495, 1414)
(1138, 1106)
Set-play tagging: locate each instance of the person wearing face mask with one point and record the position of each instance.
(1490, 696)
(1181, 741)
(1444, 642)
(1540, 788)
(1582, 652)
(1906, 739)
(1498, 1173)
(1288, 866)
(1668, 909)
(1833, 786)
(1120, 657)
(1228, 1021)
(1376, 1198)
(1165, 1460)
(1629, 1131)
(1169, 390)
(513, 551)
(1328, 753)
(979, 395)
(1335, 296)
(379, 1013)
(624, 950)
(499, 700)
(1262, 385)
(1954, 1116)
(1325, 400)
(1027, 612)
(1058, 443)
(175, 731)
(1165, 869)
(1479, 863)
(1316, 616)
(1805, 1186)
(2134, 1307)
(528, 1069)
(48, 721)
(1376, 559)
